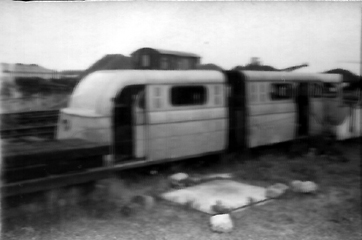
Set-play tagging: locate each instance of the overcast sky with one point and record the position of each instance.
(74, 35)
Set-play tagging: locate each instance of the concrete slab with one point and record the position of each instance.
(231, 194)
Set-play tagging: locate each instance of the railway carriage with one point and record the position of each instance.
(151, 115)
(157, 116)
(278, 106)
(350, 126)
(147, 117)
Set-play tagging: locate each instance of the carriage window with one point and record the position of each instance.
(315, 90)
(188, 95)
(141, 100)
(330, 90)
(280, 91)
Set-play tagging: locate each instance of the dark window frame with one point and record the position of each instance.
(278, 92)
(190, 95)
(330, 94)
(316, 90)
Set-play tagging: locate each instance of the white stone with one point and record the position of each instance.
(304, 187)
(178, 180)
(308, 187)
(177, 177)
(221, 223)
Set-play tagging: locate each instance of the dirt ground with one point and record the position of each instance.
(333, 213)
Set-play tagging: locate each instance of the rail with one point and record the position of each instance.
(28, 116)
(40, 165)
(30, 123)
(57, 181)
(47, 131)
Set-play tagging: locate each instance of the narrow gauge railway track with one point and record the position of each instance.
(39, 166)
(95, 171)
(43, 166)
(23, 124)
(47, 131)
(29, 118)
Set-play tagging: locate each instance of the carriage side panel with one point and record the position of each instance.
(186, 120)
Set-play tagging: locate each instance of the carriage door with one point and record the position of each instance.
(124, 122)
(237, 111)
(302, 102)
(316, 108)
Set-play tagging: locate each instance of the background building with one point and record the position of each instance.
(11, 71)
(150, 58)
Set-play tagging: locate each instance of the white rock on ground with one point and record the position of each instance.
(308, 187)
(177, 179)
(221, 223)
(304, 187)
(276, 190)
(179, 176)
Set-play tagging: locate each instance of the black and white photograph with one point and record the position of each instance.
(180, 120)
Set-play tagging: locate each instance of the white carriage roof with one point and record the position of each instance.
(93, 95)
(290, 76)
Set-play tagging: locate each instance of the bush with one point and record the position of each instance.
(33, 85)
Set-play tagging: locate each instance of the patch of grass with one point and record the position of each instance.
(332, 213)
(304, 171)
(345, 214)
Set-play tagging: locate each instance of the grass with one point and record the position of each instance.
(333, 213)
